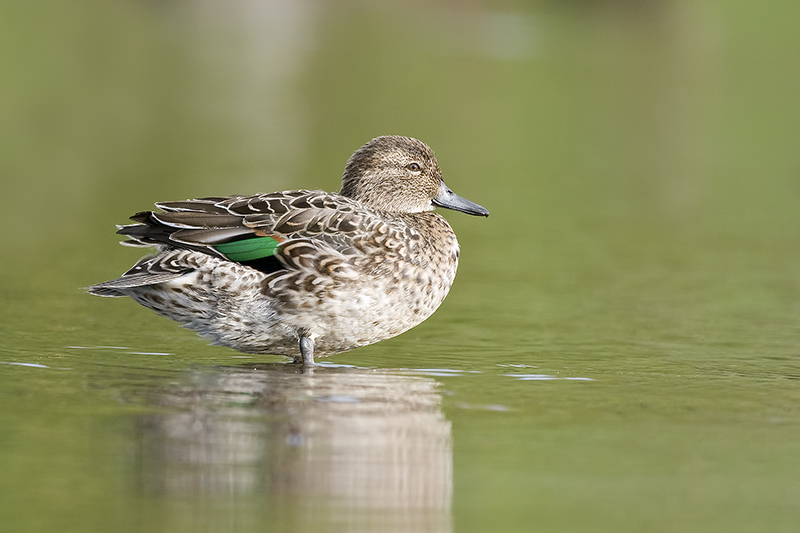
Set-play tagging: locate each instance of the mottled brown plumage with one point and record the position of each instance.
(346, 270)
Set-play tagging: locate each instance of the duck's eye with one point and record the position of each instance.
(414, 167)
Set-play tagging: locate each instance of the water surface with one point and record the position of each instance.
(619, 351)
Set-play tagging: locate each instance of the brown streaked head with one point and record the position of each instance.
(401, 175)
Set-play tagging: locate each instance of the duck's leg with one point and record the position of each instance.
(307, 351)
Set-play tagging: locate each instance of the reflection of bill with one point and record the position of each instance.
(356, 448)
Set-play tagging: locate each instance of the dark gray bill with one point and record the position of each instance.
(451, 200)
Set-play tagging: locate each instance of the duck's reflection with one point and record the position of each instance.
(342, 445)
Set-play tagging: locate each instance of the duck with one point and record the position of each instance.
(304, 273)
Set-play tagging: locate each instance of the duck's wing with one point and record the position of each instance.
(291, 229)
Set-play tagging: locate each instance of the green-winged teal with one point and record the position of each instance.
(304, 273)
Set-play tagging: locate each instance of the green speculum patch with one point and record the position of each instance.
(248, 249)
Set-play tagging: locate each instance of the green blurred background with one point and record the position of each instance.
(641, 164)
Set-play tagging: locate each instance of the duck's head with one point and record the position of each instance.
(400, 175)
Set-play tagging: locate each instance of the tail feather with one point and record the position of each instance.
(120, 286)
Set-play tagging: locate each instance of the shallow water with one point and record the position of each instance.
(619, 351)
